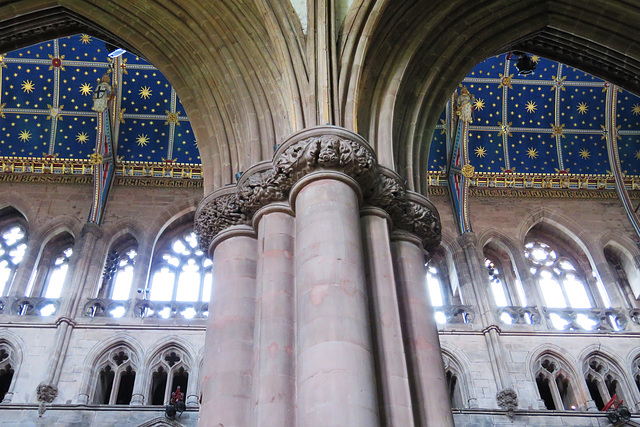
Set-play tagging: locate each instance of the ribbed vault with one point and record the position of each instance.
(219, 56)
(407, 58)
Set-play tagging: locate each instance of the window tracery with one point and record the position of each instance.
(555, 384)
(442, 295)
(116, 377)
(117, 276)
(454, 382)
(13, 245)
(181, 272)
(169, 372)
(7, 369)
(603, 380)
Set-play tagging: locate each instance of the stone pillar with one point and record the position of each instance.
(335, 373)
(391, 365)
(422, 344)
(274, 385)
(312, 343)
(228, 353)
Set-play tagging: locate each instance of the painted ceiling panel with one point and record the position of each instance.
(46, 105)
(551, 121)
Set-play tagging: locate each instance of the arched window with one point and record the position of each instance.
(636, 372)
(57, 273)
(625, 274)
(117, 276)
(169, 372)
(454, 382)
(116, 377)
(13, 238)
(7, 366)
(603, 380)
(444, 294)
(181, 271)
(554, 384)
(562, 285)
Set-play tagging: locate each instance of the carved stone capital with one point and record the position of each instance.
(468, 240)
(326, 148)
(315, 150)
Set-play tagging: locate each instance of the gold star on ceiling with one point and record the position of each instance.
(25, 135)
(86, 89)
(480, 151)
(636, 109)
(82, 137)
(479, 104)
(532, 153)
(531, 106)
(85, 39)
(142, 140)
(584, 153)
(638, 154)
(582, 108)
(28, 86)
(145, 92)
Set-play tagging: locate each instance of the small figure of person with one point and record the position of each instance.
(464, 105)
(176, 396)
(102, 94)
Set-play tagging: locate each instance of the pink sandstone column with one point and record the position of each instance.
(393, 384)
(424, 357)
(335, 371)
(274, 390)
(228, 353)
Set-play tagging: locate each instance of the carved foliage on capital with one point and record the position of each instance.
(326, 152)
(272, 182)
(218, 214)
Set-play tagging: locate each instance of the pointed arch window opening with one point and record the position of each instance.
(182, 272)
(118, 274)
(561, 284)
(57, 274)
(7, 367)
(603, 381)
(169, 373)
(13, 245)
(115, 379)
(554, 385)
(442, 297)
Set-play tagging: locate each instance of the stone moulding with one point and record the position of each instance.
(324, 148)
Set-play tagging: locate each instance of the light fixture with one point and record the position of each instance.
(525, 64)
(114, 51)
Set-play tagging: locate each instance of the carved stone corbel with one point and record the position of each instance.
(46, 393)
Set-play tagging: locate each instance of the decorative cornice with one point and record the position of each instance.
(324, 149)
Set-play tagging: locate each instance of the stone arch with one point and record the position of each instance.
(407, 58)
(628, 257)
(13, 347)
(93, 357)
(16, 201)
(154, 361)
(219, 60)
(613, 366)
(456, 360)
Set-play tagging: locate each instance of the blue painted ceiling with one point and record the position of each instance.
(548, 122)
(45, 99)
(551, 121)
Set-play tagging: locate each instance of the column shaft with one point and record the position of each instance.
(391, 365)
(335, 372)
(430, 395)
(228, 353)
(274, 388)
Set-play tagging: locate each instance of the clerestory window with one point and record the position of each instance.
(181, 272)
(13, 244)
